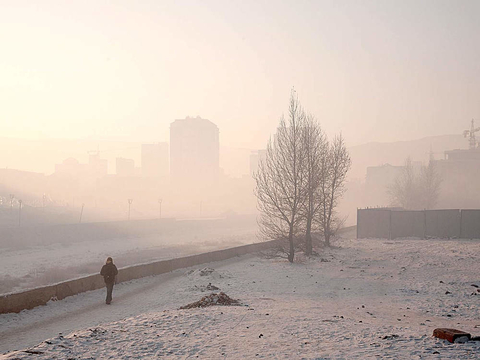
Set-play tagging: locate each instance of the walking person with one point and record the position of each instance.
(109, 272)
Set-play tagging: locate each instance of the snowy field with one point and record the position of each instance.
(42, 265)
(364, 299)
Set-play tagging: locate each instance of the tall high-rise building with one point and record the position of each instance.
(194, 151)
(155, 160)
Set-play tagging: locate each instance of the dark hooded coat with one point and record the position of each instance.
(109, 271)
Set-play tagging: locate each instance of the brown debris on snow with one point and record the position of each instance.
(213, 299)
(450, 334)
(201, 272)
(212, 287)
(204, 288)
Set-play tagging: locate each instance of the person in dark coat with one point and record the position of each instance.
(109, 272)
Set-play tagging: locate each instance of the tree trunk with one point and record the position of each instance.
(327, 236)
(308, 238)
(291, 254)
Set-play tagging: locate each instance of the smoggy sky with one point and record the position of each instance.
(375, 70)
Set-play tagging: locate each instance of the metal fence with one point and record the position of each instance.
(393, 223)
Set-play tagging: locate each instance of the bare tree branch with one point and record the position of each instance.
(416, 190)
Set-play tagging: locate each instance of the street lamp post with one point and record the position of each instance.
(19, 212)
(160, 208)
(81, 213)
(129, 205)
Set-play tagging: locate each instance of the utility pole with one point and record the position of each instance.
(160, 208)
(19, 212)
(12, 196)
(81, 213)
(44, 198)
(129, 205)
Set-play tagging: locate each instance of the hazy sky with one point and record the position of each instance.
(375, 70)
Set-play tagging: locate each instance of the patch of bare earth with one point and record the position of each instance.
(220, 299)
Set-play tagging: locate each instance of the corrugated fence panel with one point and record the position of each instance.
(373, 223)
(470, 224)
(443, 224)
(406, 224)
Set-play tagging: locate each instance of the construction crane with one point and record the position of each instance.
(471, 134)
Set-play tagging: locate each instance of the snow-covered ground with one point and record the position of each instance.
(42, 265)
(363, 299)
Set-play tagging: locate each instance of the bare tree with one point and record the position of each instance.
(316, 149)
(416, 190)
(332, 186)
(280, 188)
(430, 182)
(404, 191)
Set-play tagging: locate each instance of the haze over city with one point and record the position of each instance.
(374, 70)
(311, 166)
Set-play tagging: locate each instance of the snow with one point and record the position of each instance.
(368, 298)
(42, 265)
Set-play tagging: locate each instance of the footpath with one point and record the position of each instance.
(150, 294)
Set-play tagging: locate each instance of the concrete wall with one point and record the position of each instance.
(373, 223)
(443, 223)
(29, 299)
(407, 224)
